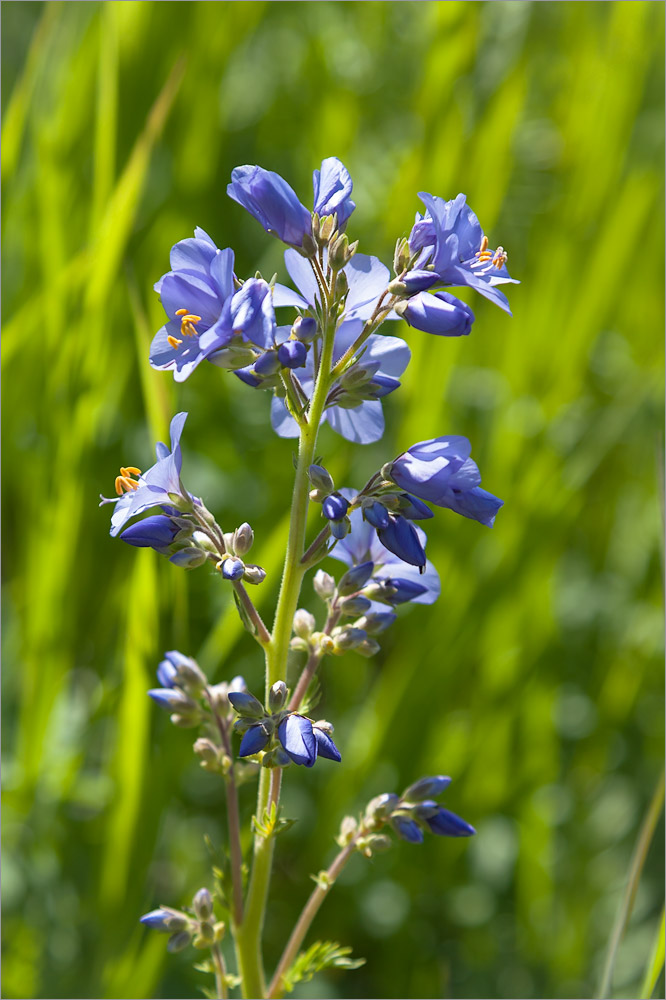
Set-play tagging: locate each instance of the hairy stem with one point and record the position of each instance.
(220, 973)
(308, 914)
(313, 662)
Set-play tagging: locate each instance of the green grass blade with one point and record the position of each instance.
(655, 963)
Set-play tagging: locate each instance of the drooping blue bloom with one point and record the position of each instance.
(446, 824)
(298, 740)
(325, 745)
(452, 242)
(254, 740)
(438, 313)
(155, 532)
(385, 358)
(272, 202)
(170, 698)
(332, 190)
(160, 485)
(407, 829)
(440, 470)
(401, 537)
(362, 545)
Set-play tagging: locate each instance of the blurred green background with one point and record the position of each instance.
(536, 682)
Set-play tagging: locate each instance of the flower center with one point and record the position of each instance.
(187, 327)
(497, 258)
(124, 482)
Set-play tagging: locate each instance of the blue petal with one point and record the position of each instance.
(282, 421)
(296, 736)
(446, 824)
(254, 740)
(363, 425)
(400, 537)
(222, 273)
(192, 255)
(367, 278)
(325, 745)
(300, 272)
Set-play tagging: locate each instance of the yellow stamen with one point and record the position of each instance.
(124, 482)
(484, 245)
(500, 258)
(181, 312)
(174, 342)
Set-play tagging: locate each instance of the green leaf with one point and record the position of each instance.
(321, 955)
(655, 963)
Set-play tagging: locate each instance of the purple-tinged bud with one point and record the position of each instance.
(189, 558)
(407, 829)
(173, 700)
(321, 478)
(381, 806)
(335, 507)
(267, 364)
(325, 745)
(232, 569)
(246, 704)
(156, 919)
(414, 509)
(351, 607)
(380, 386)
(403, 591)
(254, 741)
(401, 538)
(324, 584)
(202, 904)
(340, 529)
(292, 354)
(426, 788)
(348, 638)
(277, 696)
(167, 674)
(178, 941)
(305, 328)
(376, 622)
(156, 532)
(355, 578)
(242, 539)
(419, 280)
(376, 514)
(446, 824)
(441, 314)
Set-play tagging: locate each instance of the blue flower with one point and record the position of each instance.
(446, 824)
(440, 470)
(384, 358)
(273, 203)
(363, 545)
(332, 189)
(450, 240)
(298, 740)
(335, 507)
(401, 538)
(157, 919)
(206, 314)
(160, 485)
(438, 313)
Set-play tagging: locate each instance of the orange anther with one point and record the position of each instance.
(174, 342)
(181, 312)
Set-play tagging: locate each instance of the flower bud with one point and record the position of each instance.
(242, 539)
(207, 750)
(232, 569)
(426, 788)
(202, 904)
(304, 623)
(178, 941)
(341, 285)
(338, 252)
(246, 704)
(324, 584)
(202, 541)
(326, 227)
(348, 828)
(368, 648)
(267, 364)
(277, 696)
(242, 725)
(305, 329)
(325, 644)
(189, 558)
(340, 528)
(376, 622)
(292, 354)
(401, 256)
(351, 607)
(321, 479)
(186, 720)
(254, 574)
(232, 357)
(381, 806)
(348, 638)
(355, 578)
(381, 591)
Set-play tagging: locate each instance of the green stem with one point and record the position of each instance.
(220, 973)
(637, 861)
(248, 936)
(308, 914)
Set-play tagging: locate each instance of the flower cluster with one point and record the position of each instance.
(282, 736)
(317, 349)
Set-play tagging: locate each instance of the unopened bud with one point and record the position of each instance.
(242, 540)
(402, 255)
(355, 578)
(254, 574)
(368, 648)
(304, 623)
(304, 329)
(189, 558)
(321, 479)
(246, 704)
(202, 904)
(232, 357)
(277, 696)
(324, 584)
(397, 287)
(381, 806)
(348, 828)
(178, 941)
(348, 638)
(351, 607)
(207, 750)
